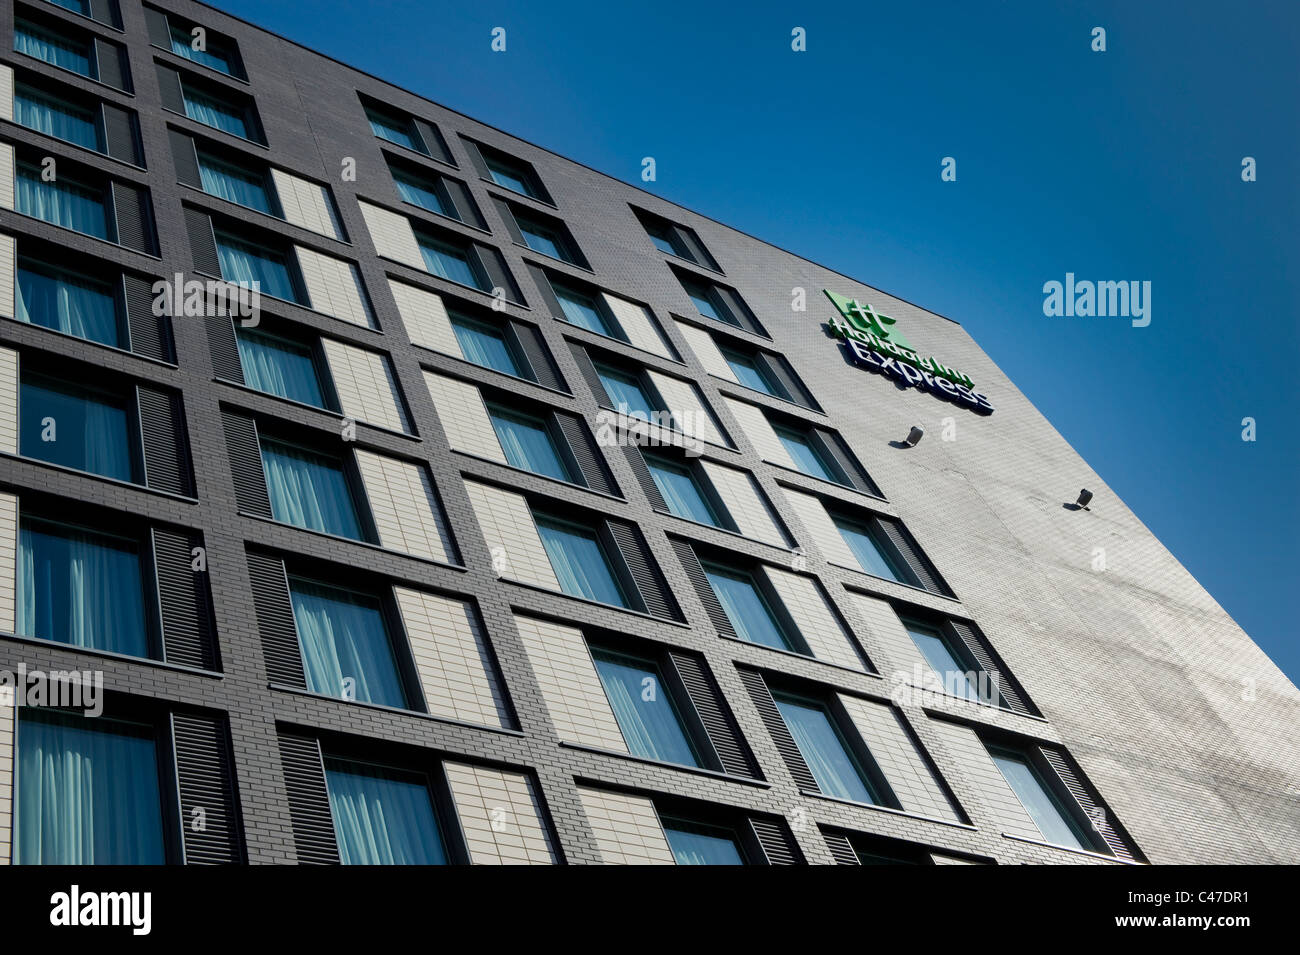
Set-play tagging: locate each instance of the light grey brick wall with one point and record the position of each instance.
(511, 536)
(464, 417)
(906, 772)
(627, 829)
(704, 348)
(744, 502)
(811, 614)
(306, 204)
(404, 507)
(365, 385)
(638, 325)
(392, 235)
(425, 317)
(8, 277)
(334, 286)
(500, 816)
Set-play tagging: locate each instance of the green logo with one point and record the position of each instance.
(867, 319)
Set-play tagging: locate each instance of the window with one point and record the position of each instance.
(751, 373)
(234, 183)
(421, 192)
(212, 110)
(393, 129)
(627, 394)
(87, 792)
(869, 552)
(747, 608)
(255, 266)
(823, 747)
(509, 176)
(580, 563)
(583, 311)
(545, 238)
(64, 202)
(76, 6)
(666, 241)
(68, 303)
(528, 443)
(75, 427)
(681, 491)
(484, 345)
(81, 588)
(1047, 810)
(54, 49)
(944, 659)
(213, 56)
(382, 816)
(346, 648)
(450, 262)
(644, 708)
(806, 456)
(56, 117)
(696, 844)
(279, 367)
(309, 490)
(709, 303)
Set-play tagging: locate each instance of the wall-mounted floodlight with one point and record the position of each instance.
(1085, 497)
(914, 436)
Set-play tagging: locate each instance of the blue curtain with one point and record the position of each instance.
(746, 609)
(694, 846)
(61, 203)
(509, 179)
(543, 242)
(484, 346)
(233, 184)
(279, 368)
(213, 112)
(750, 375)
(183, 45)
(681, 493)
(382, 816)
(626, 394)
(703, 303)
(342, 637)
(950, 671)
(650, 726)
(448, 262)
(82, 589)
(579, 563)
(419, 192)
(53, 117)
(90, 433)
(391, 131)
(805, 456)
(1038, 801)
(255, 267)
(527, 445)
(87, 792)
(866, 551)
(52, 48)
(582, 311)
(76, 6)
(69, 304)
(824, 751)
(309, 490)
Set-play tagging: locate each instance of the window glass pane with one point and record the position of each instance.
(484, 346)
(1043, 807)
(183, 45)
(806, 458)
(746, 608)
(346, 650)
(702, 845)
(279, 367)
(579, 562)
(868, 553)
(254, 266)
(510, 178)
(80, 588)
(382, 816)
(394, 130)
(420, 192)
(833, 767)
(62, 203)
(582, 310)
(76, 6)
(528, 444)
(954, 674)
(234, 184)
(681, 492)
(212, 111)
(55, 117)
(53, 49)
(751, 374)
(309, 490)
(644, 709)
(67, 303)
(543, 240)
(449, 262)
(626, 393)
(663, 244)
(88, 792)
(73, 427)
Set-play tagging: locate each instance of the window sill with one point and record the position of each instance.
(933, 701)
(176, 59)
(858, 570)
(510, 194)
(645, 423)
(415, 152)
(691, 262)
(214, 129)
(433, 212)
(474, 364)
(422, 270)
(888, 809)
(565, 484)
(804, 656)
(681, 767)
(337, 416)
(551, 258)
(110, 655)
(666, 621)
(115, 482)
(352, 540)
(77, 338)
(258, 212)
(60, 12)
(275, 300)
(724, 530)
(823, 482)
(86, 235)
(397, 710)
(80, 76)
(98, 154)
(621, 341)
(1079, 852)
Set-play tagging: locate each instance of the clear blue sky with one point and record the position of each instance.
(1119, 165)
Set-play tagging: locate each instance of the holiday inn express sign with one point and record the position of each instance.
(875, 344)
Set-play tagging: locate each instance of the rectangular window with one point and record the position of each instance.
(708, 302)
(233, 183)
(64, 202)
(747, 608)
(1049, 813)
(76, 6)
(346, 648)
(484, 345)
(644, 708)
(750, 373)
(421, 192)
(528, 443)
(663, 241)
(627, 394)
(869, 552)
(54, 49)
(279, 367)
(547, 239)
(806, 456)
(821, 744)
(580, 563)
(87, 792)
(81, 588)
(68, 303)
(696, 844)
(75, 427)
(382, 816)
(944, 659)
(255, 266)
(309, 490)
(449, 262)
(681, 491)
(393, 129)
(212, 56)
(211, 110)
(583, 311)
(56, 117)
(509, 176)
